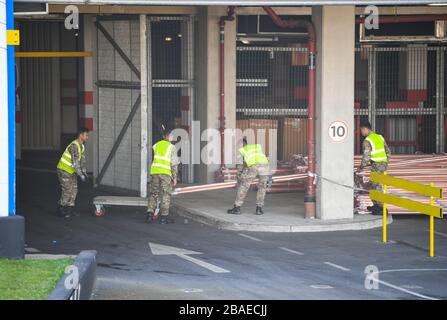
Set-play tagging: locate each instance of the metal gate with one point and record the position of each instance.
(169, 93)
(272, 94)
(172, 61)
(401, 90)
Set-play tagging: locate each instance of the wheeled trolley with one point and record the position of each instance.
(101, 202)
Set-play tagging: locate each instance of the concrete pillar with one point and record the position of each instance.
(207, 71)
(86, 105)
(335, 28)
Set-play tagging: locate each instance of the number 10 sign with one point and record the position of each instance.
(338, 131)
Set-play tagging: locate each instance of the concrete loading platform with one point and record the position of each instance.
(284, 212)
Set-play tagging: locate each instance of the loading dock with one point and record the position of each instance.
(130, 68)
(263, 94)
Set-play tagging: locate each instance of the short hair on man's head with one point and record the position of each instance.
(166, 132)
(244, 140)
(366, 124)
(83, 130)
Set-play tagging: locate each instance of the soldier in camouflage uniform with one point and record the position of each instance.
(71, 165)
(377, 154)
(254, 164)
(163, 179)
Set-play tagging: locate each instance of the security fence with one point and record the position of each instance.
(172, 64)
(400, 90)
(272, 94)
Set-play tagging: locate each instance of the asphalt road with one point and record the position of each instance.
(327, 265)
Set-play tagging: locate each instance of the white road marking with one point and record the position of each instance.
(204, 264)
(159, 249)
(336, 266)
(411, 286)
(249, 237)
(192, 290)
(420, 269)
(31, 250)
(439, 233)
(388, 242)
(292, 251)
(321, 286)
(403, 289)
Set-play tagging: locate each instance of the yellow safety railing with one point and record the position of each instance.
(416, 206)
(55, 54)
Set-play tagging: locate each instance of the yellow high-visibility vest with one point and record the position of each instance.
(66, 162)
(253, 154)
(162, 158)
(378, 153)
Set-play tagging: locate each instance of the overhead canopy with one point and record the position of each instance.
(245, 2)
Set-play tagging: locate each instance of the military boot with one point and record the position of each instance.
(71, 210)
(63, 212)
(234, 210)
(372, 208)
(166, 220)
(378, 211)
(259, 211)
(150, 218)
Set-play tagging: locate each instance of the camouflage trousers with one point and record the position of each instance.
(69, 188)
(379, 167)
(246, 178)
(160, 189)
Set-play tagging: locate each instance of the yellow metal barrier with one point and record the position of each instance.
(428, 209)
(55, 54)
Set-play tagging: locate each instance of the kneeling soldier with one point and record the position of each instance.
(255, 164)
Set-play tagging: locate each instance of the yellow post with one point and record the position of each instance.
(432, 228)
(384, 213)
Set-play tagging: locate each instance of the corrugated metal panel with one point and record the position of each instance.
(36, 78)
(115, 105)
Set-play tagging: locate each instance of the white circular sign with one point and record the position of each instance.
(338, 131)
